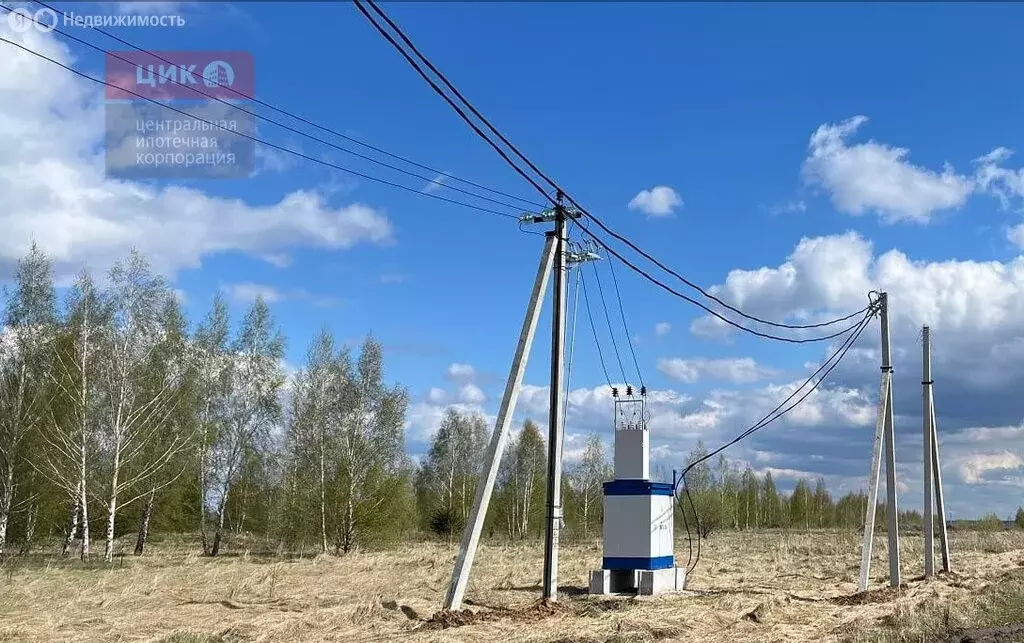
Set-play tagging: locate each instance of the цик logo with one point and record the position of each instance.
(20, 20)
(218, 73)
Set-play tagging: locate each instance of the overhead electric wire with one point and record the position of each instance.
(572, 350)
(593, 328)
(303, 120)
(401, 34)
(827, 366)
(253, 138)
(608, 320)
(284, 126)
(625, 326)
(437, 89)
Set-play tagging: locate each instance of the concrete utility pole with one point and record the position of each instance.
(471, 535)
(555, 415)
(932, 472)
(883, 436)
(926, 414)
(555, 258)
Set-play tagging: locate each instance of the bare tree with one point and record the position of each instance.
(522, 477)
(24, 344)
(140, 386)
(252, 405)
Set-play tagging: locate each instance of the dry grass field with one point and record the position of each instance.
(748, 587)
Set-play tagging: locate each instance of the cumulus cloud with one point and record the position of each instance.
(662, 328)
(875, 177)
(460, 373)
(56, 192)
(736, 370)
(973, 467)
(879, 178)
(659, 201)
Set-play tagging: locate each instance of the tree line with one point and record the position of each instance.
(119, 419)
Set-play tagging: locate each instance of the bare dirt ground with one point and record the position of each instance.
(749, 587)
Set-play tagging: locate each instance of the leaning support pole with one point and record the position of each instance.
(928, 515)
(555, 415)
(940, 500)
(471, 534)
(884, 437)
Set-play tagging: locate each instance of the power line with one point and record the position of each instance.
(608, 320)
(437, 89)
(827, 366)
(552, 183)
(304, 121)
(256, 139)
(625, 326)
(429, 180)
(593, 328)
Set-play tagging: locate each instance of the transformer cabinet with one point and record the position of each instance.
(638, 535)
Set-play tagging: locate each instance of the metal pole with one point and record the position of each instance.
(555, 428)
(939, 496)
(471, 535)
(929, 525)
(891, 507)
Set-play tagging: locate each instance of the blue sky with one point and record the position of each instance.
(717, 103)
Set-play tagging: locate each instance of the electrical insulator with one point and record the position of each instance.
(615, 391)
(643, 391)
(629, 391)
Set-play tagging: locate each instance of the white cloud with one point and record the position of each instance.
(875, 177)
(247, 292)
(735, 370)
(277, 259)
(659, 201)
(55, 190)
(662, 328)
(973, 468)
(436, 395)
(471, 394)
(435, 184)
(788, 207)
(1016, 235)
(1000, 182)
(462, 373)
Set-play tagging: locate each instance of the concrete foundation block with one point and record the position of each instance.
(660, 581)
(645, 582)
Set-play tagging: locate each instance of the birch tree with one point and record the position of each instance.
(449, 474)
(140, 386)
(70, 437)
(522, 476)
(214, 370)
(252, 405)
(25, 344)
(312, 433)
(371, 457)
(588, 475)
